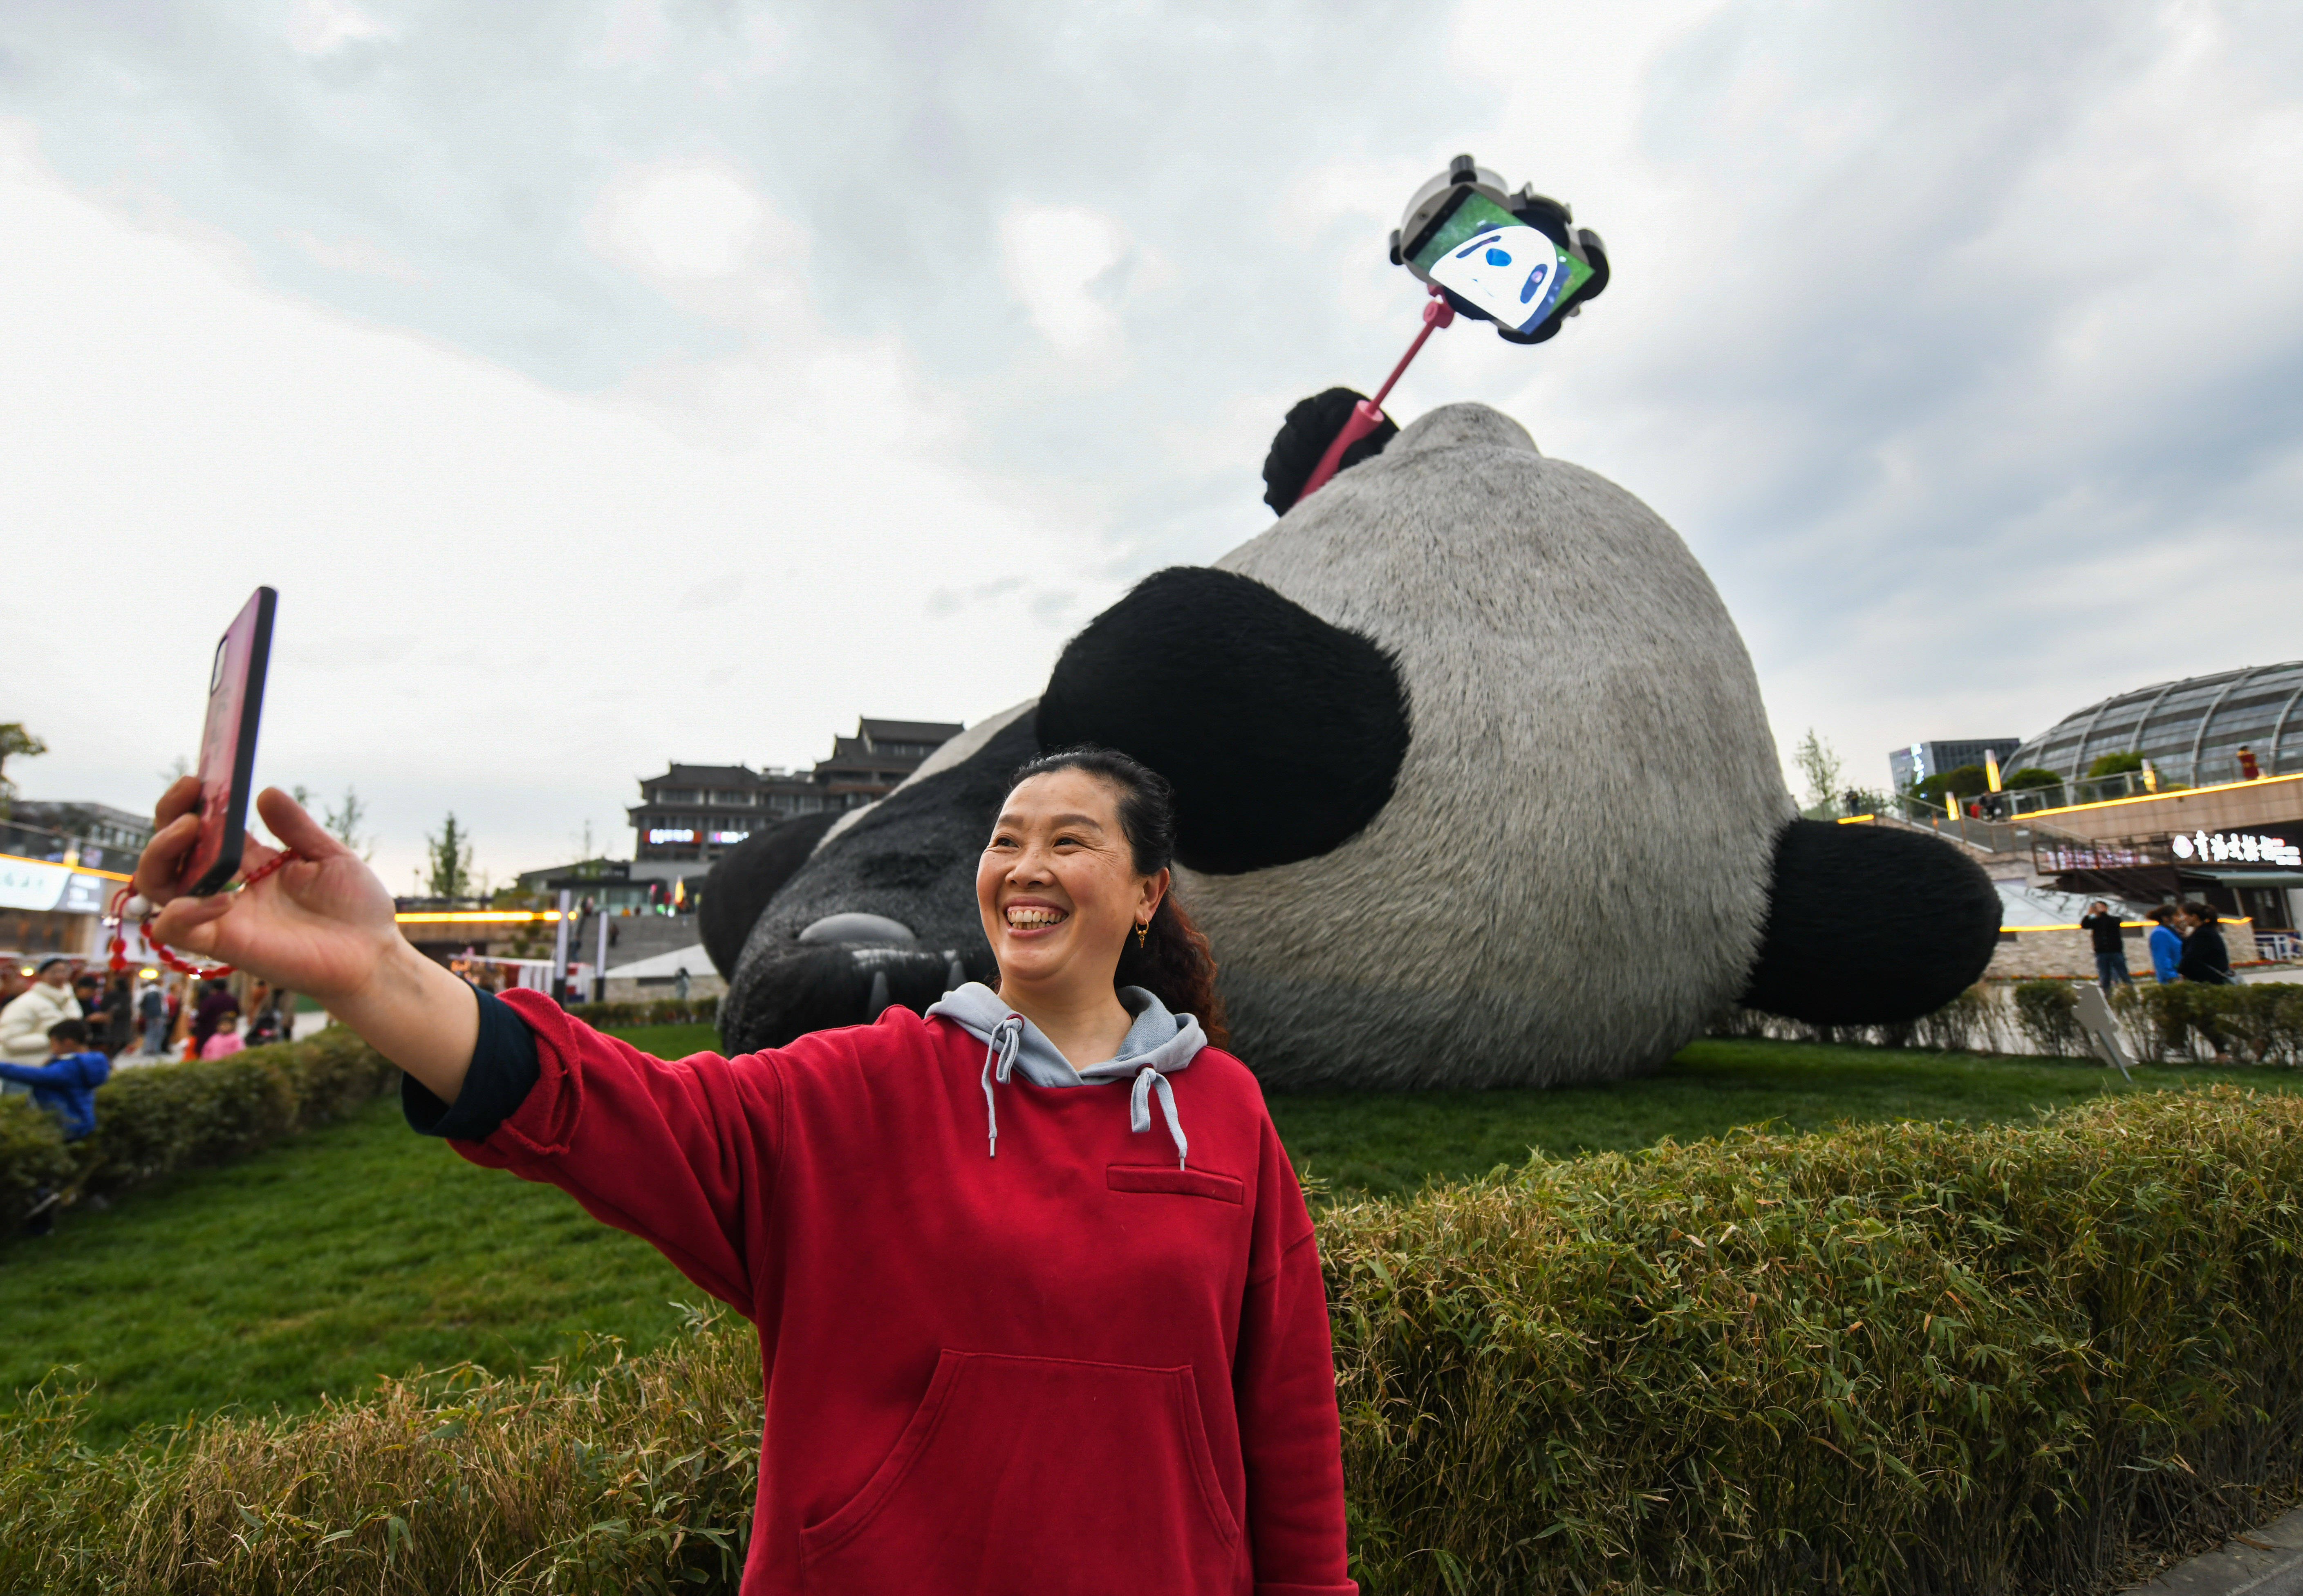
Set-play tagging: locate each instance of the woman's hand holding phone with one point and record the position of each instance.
(322, 923)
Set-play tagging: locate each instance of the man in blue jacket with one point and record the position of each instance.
(2166, 943)
(65, 1085)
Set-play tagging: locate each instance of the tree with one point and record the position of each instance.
(1819, 767)
(2030, 776)
(1969, 780)
(344, 824)
(450, 857)
(15, 743)
(2115, 765)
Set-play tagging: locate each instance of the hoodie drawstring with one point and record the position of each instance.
(1000, 1062)
(1139, 1108)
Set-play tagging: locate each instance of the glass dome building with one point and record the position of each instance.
(2191, 730)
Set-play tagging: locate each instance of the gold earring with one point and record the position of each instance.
(1142, 932)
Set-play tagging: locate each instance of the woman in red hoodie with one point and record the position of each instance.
(1039, 1306)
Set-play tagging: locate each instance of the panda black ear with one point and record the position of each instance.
(737, 890)
(1305, 436)
(1869, 924)
(1281, 733)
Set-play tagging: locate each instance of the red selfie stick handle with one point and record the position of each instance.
(1368, 414)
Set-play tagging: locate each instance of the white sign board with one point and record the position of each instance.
(28, 883)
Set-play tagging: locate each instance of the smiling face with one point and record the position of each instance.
(1057, 887)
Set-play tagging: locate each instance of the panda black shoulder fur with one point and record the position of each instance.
(1475, 788)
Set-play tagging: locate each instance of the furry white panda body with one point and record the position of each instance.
(1570, 876)
(1474, 785)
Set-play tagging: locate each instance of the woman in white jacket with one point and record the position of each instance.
(24, 1023)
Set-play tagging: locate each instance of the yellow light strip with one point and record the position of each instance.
(17, 858)
(1856, 819)
(2150, 798)
(2138, 925)
(467, 917)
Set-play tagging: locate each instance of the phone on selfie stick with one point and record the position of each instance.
(228, 746)
(1506, 258)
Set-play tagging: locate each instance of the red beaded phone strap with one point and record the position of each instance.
(119, 915)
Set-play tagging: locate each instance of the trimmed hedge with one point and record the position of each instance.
(1890, 1359)
(33, 1159)
(655, 1011)
(1894, 1358)
(1974, 1022)
(155, 1118)
(2260, 1023)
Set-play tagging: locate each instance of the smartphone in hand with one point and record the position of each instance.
(228, 746)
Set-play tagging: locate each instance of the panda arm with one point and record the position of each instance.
(1281, 732)
(737, 889)
(1869, 924)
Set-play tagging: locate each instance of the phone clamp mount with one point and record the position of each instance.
(1427, 209)
(1441, 196)
(128, 904)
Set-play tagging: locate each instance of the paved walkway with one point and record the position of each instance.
(2264, 1562)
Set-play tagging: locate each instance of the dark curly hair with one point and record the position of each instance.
(1174, 962)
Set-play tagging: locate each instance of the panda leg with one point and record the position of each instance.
(1869, 924)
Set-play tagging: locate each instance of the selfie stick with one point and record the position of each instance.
(1368, 414)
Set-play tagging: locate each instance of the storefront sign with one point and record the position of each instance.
(2234, 847)
(28, 883)
(672, 834)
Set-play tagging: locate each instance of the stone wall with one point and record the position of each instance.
(624, 990)
(2269, 805)
(2023, 955)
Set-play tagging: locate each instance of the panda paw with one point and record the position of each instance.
(1305, 436)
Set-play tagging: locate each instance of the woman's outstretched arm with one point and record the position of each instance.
(322, 923)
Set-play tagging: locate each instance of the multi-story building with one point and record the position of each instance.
(2192, 731)
(693, 814)
(1915, 764)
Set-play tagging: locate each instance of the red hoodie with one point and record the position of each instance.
(1073, 1367)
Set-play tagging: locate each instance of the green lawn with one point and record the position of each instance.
(360, 1250)
(1357, 1143)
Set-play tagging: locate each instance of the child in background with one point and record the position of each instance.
(224, 1039)
(65, 1085)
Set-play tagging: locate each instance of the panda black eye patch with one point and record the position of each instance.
(1282, 733)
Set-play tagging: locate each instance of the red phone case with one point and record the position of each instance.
(228, 746)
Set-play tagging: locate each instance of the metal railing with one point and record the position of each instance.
(2159, 776)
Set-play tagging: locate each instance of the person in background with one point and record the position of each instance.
(152, 1013)
(2205, 959)
(24, 1023)
(269, 1023)
(2166, 943)
(215, 999)
(65, 1085)
(117, 1028)
(2109, 951)
(223, 1041)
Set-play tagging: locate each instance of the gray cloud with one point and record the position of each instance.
(1962, 341)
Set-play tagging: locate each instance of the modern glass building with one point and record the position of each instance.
(2191, 730)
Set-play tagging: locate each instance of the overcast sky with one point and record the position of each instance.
(606, 383)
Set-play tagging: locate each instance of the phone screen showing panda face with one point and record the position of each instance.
(1482, 251)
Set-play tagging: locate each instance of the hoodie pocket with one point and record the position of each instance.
(1041, 1474)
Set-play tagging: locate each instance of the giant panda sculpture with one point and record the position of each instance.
(1474, 787)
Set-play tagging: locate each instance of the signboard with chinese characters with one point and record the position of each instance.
(30, 884)
(2235, 848)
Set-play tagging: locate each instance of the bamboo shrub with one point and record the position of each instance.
(1907, 1359)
